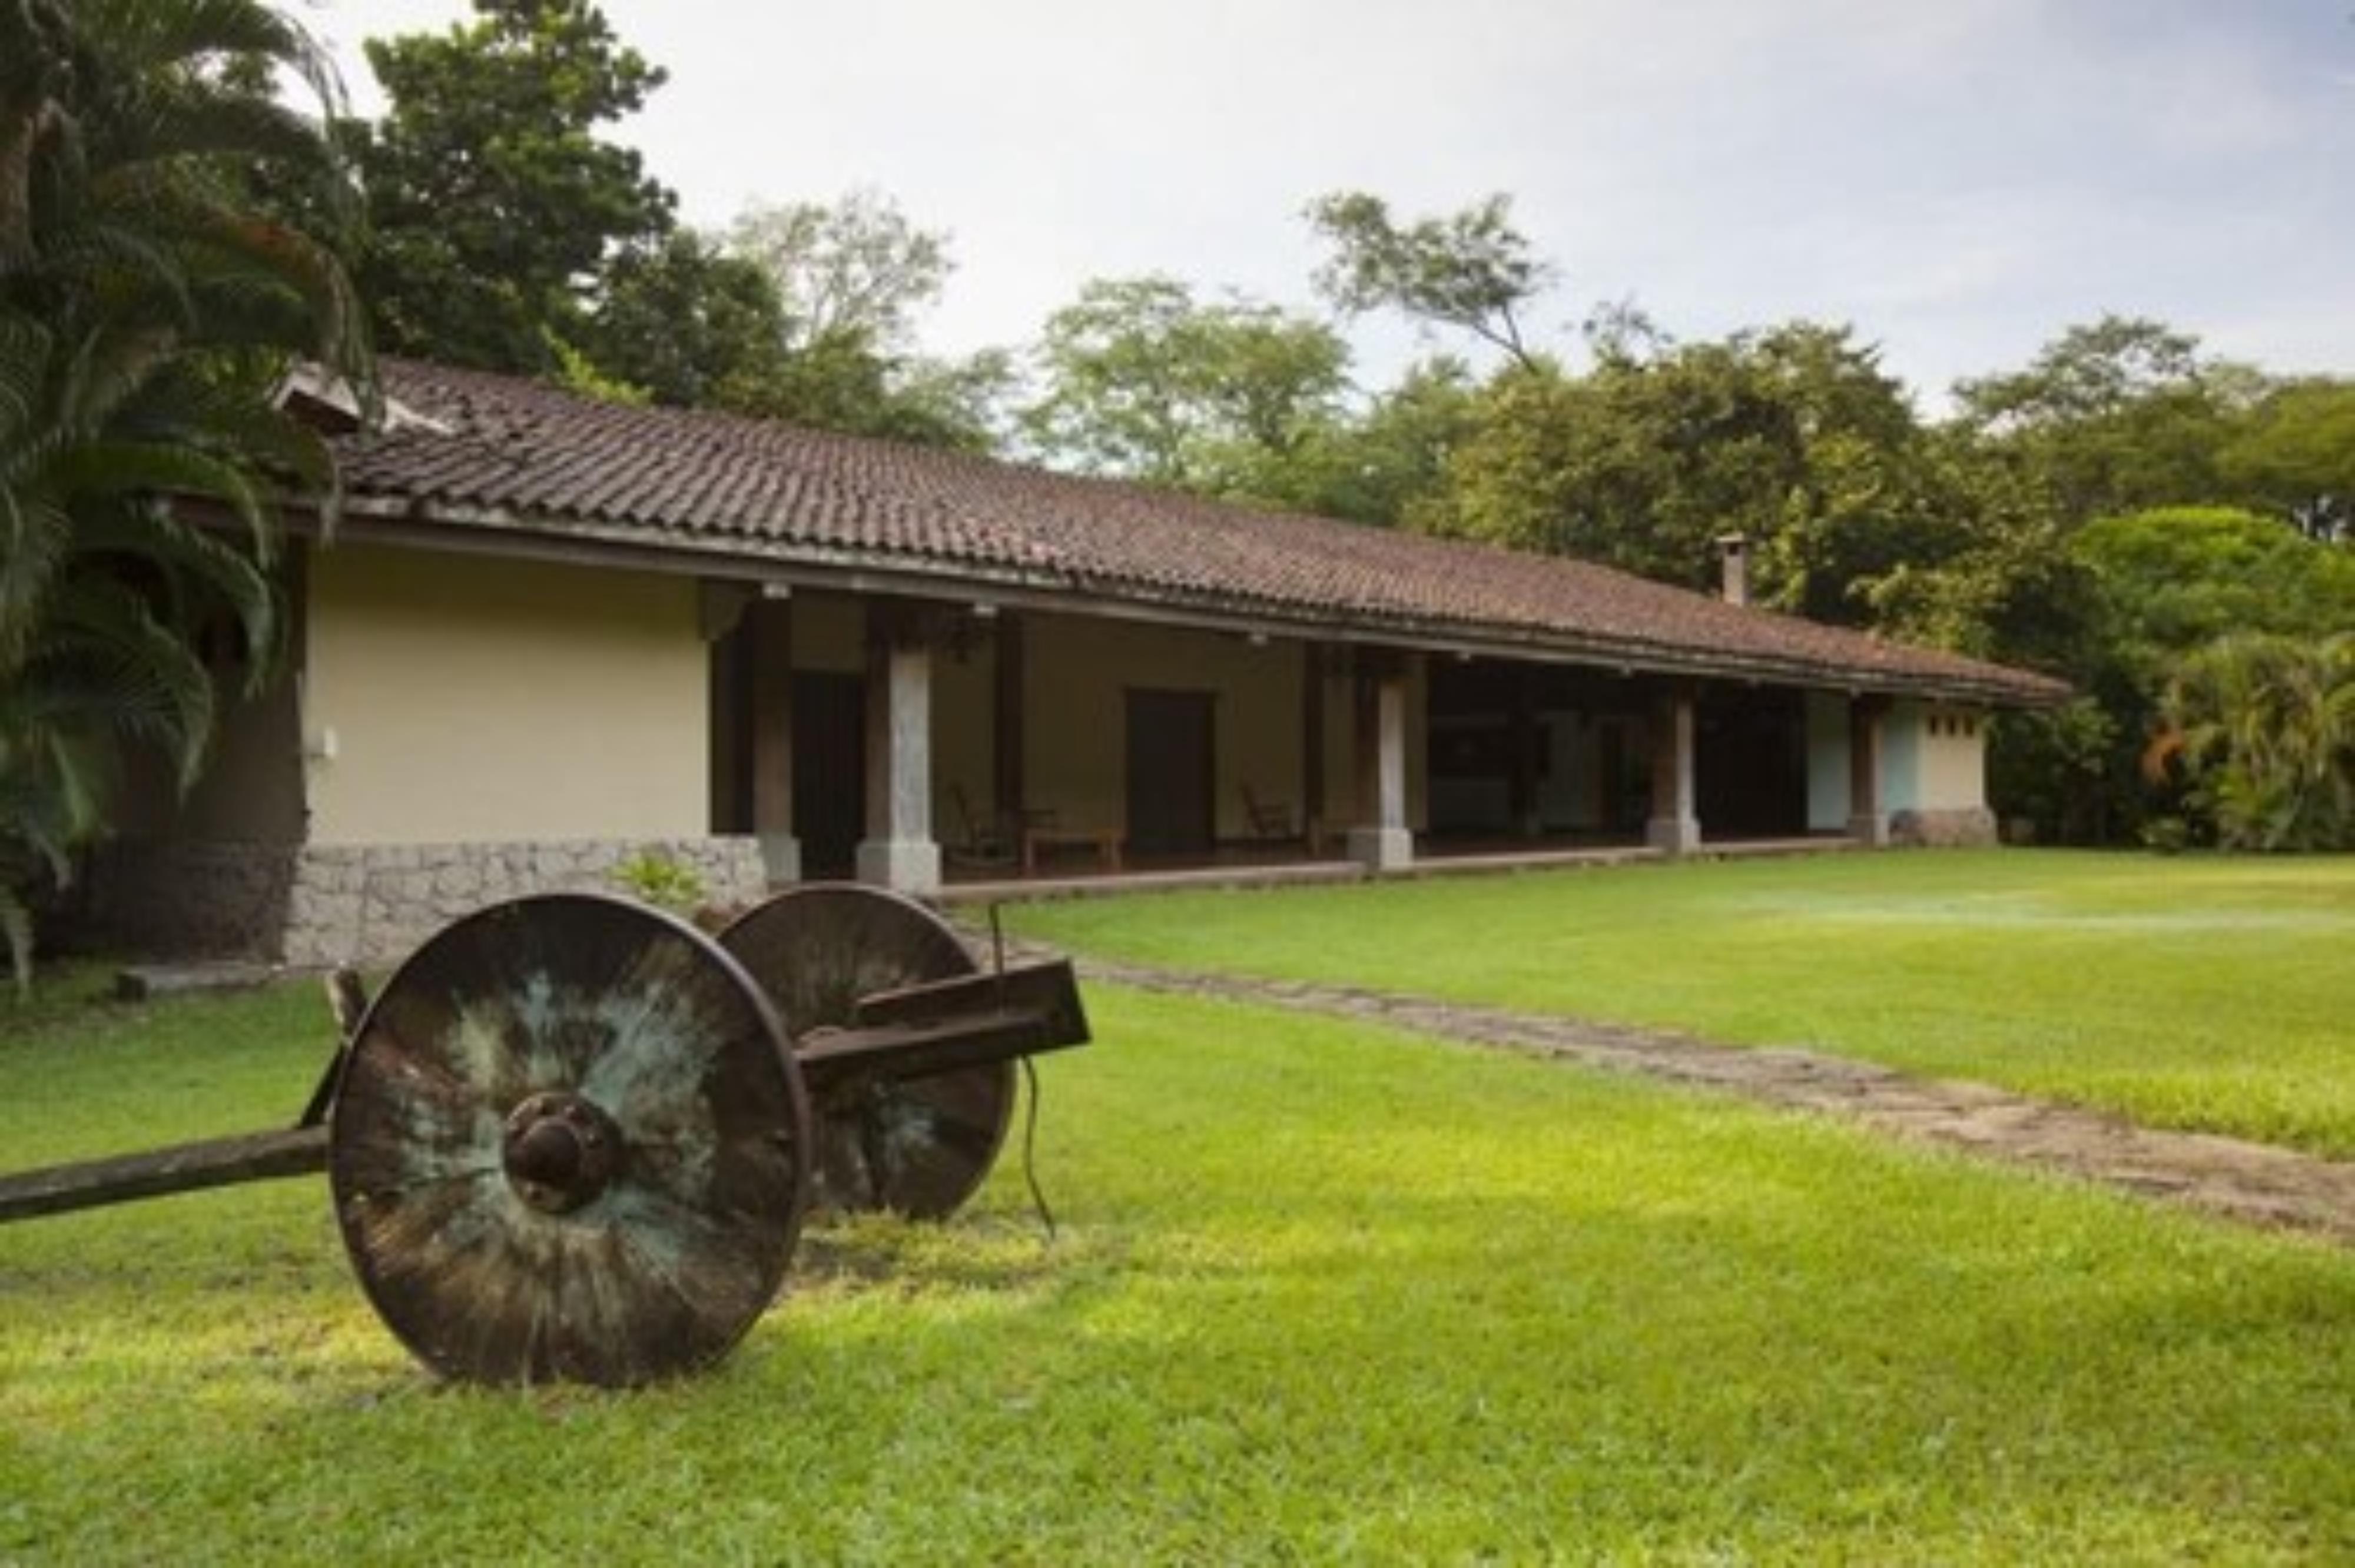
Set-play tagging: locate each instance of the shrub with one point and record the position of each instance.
(661, 880)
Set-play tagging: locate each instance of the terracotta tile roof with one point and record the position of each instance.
(494, 452)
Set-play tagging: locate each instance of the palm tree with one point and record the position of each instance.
(2266, 727)
(149, 306)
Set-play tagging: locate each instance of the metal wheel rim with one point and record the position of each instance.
(919, 1148)
(668, 1257)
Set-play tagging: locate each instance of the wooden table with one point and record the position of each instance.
(1106, 841)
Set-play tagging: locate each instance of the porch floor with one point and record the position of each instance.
(1254, 866)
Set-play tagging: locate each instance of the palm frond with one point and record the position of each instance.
(157, 36)
(37, 534)
(17, 929)
(112, 648)
(107, 368)
(102, 469)
(338, 317)
(26, 351)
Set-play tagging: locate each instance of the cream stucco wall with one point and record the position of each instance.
(1078, 674)
(471, 698)
(1933, 758)
(1953, 760)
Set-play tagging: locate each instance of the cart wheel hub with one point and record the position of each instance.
(561, 1151)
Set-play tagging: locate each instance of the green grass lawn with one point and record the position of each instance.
(2200, 992)
(1324, 1293)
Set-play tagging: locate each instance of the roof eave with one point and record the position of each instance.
(434, 523)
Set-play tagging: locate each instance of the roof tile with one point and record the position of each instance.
(710, 481)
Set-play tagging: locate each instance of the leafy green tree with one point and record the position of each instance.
(849, 279)
(840, 385)
(959, 401)
(1997, 580)
(496, 202)
(1470, 270)
(148, 310)
(1792, 436)
(2118, 606)
(2113, 416)
(690, 324)
(1385, 462)
(1143, 380)
(2266, 726)
(856, 270)
(2294, 455)
(2175, 579)
(2172, 583)
(511, 234)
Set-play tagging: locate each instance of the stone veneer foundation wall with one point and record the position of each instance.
(328, 903)
(1966, 827)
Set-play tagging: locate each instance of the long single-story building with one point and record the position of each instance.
(549, 636)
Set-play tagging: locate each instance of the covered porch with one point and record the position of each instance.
(968, 750)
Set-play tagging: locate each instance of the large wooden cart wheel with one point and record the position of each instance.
(569, 1145)
(918, 1147)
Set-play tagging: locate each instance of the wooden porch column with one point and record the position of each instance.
(1673, 828)
(1381, 841)
(772, 678)
(1521, 784)
(899, 851)
(1007, 721)
(1867, 821)
(1312, 746)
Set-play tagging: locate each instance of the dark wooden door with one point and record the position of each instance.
(1172, 806)
(830, 770)
(1750, 765)
(731, 715)
(1613, 806)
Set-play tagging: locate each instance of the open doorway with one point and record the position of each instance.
(1172, 800)
(1750, 763)
(830, 770)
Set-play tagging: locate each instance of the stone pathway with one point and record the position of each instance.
(2252, 1182)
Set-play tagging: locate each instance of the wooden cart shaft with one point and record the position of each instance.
(183, 1168)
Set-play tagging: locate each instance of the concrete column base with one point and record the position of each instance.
(781, 857)
(1869, 828)
(1673, 835)
(904, 865)
(1381, 849)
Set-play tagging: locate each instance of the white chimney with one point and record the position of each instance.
(1734, 552)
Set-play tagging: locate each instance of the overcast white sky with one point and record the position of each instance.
(1960, 178)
